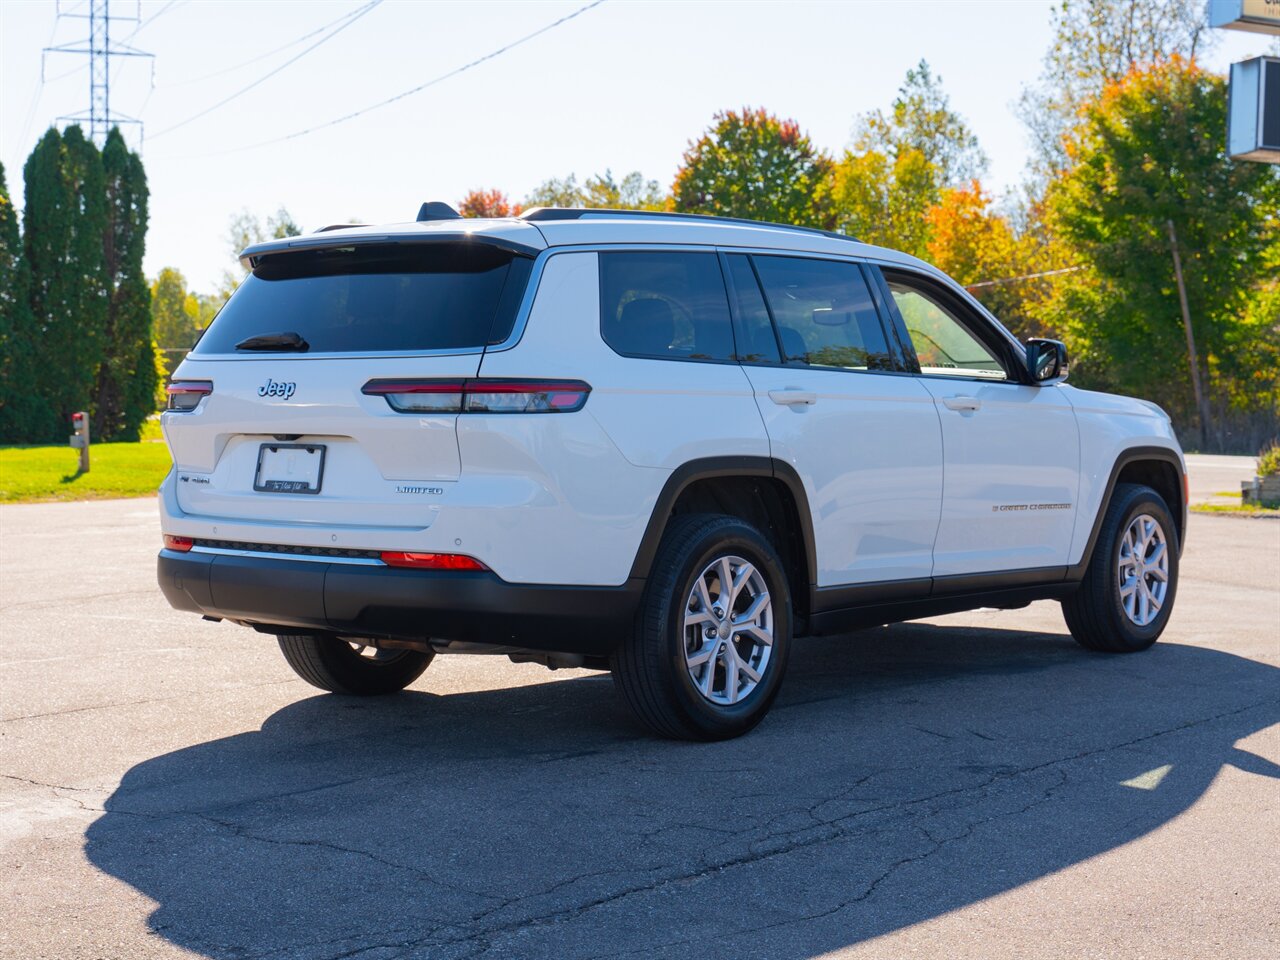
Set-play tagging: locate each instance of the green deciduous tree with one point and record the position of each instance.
(752, 164)
(900, 164)
(127, 376)
(1097, 42)
(632, 192)
(1147, 173)
(246, 229)
(175, 316)
(921, 120)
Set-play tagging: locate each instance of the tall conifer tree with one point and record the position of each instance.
(24, 415)
(63, 244)
(125, 394)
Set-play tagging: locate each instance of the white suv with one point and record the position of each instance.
(656, 444)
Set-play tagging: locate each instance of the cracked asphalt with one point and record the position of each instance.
(973, 786)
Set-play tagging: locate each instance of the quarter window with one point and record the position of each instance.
(669, 306)
(756, 341)
(823, 313)
(943, 344)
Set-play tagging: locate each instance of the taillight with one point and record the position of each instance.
(181, 544)
(481, 396)
(431, 561)
(187, 394)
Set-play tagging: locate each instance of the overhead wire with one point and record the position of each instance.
(418, 89)
(292, 60)
(263, 56)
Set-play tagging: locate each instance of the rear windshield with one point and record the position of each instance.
(393, 297)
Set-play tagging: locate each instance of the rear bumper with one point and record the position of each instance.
(380, 601)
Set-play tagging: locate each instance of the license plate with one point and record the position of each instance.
(289, 468)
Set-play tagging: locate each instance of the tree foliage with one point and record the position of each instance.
(175, 316)
(127, 376)
(76, 324)
(244, 230)
(900, 164)
(752, 164)
(64, 226)
(920, 120)
(1096, 43)
(632, 192)
(969, 239)
(487, 203)
(24, 414)
(1148, 153)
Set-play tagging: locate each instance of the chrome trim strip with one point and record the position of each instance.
(225, 552)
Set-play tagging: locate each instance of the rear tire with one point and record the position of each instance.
(341, 667)
(699, 663)
(1126, 597)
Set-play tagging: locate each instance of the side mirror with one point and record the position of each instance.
(1046, 361)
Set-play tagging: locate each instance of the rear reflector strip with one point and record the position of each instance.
(431, 561)
(181, 544)
(481, 396)
(187, 394)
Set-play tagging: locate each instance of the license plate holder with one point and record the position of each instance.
(289, 468)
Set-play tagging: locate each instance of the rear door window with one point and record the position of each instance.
(665, 305)
(756, 340)
(376, 298)
(824, 313)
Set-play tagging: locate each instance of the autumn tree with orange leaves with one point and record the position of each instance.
(487, 203)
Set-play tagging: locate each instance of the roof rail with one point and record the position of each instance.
(339, 226)
(437, 210)
(536, 214)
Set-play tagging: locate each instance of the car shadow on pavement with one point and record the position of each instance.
(905, 772)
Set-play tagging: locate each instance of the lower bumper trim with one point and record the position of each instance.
(399, 604)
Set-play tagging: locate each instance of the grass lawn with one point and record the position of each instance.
(49, 473)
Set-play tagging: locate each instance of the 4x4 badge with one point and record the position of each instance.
(274, 388)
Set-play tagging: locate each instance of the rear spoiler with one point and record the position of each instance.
(525, 241)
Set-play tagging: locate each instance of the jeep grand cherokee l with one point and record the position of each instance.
(659, 445)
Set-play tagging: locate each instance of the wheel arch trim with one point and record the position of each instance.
(712, 468)
(1161, 455)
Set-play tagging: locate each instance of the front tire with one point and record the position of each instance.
(341, 667)
(709, 647)
(1126, 597)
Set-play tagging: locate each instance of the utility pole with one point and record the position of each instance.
(1201, 409)
(99, 48)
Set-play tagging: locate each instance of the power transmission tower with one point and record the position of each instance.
(99, 48)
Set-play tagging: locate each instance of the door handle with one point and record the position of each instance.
(962, 403)
(792, 396)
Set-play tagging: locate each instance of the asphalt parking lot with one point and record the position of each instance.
(972, 786)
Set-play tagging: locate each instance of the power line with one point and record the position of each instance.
(1025, 276)
(418, 89)
(35, 97)
(262, 56)
(243, 90)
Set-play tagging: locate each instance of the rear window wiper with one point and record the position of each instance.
(274, 341)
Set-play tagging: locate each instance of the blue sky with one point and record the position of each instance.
(625, 86)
